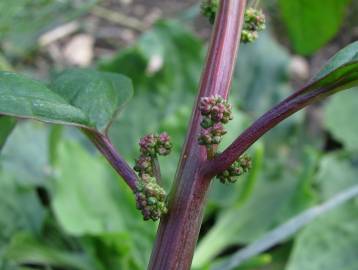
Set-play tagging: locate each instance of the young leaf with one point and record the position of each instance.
(312, 23)
(84, 98)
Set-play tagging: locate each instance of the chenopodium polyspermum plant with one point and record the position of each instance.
(254, 19)
(150, 196)
(216, 112)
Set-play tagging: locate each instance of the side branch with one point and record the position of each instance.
(105, 146)
(280, 112)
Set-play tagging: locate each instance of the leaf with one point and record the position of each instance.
(37, 16)
(330, 243)
(91, 201)
(84, 98)
(312, 23)
(26, 249)
(100, 95)
(340, 118)
(7, 124)
(26, 98)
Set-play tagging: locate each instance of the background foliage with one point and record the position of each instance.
(63, 207)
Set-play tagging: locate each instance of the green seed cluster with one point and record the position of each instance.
(254, 23)
(209, 9)
(215, 112)
(150, 196)
(238, 168)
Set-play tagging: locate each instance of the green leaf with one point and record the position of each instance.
(312, 23)
(37, 16)
(28, 140)
(347, 55)
(100, 95)
(26, 98)
(329, 243)
(7, 124)
(26, 249)
(91, 201)
(84, 98)
(340, 118)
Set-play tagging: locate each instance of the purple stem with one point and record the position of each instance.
(179, 229)
(280, 112)
(105, 146)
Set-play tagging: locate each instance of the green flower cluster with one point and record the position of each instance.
(238, 168)
(254, 23)
(150, 196)
(209, 9)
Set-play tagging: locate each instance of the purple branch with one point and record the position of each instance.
(280, 112)
(105, 146)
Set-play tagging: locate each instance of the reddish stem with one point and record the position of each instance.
(179, 229)
(105, 146)
(297, 101)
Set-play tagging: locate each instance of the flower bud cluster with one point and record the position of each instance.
(150, 198)
(216, 112)
(209, 9)
(254, 22)
(152, 145)
(238, 168)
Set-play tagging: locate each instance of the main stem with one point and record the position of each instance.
(179, 229)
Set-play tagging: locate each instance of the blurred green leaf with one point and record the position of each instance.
(7, 124)
(339, 118)
(84, 98)
(274, 199)
(25, 154)
(26, 249)
(312, 23)
(336, 173)
(20, 211)
(85, 200)
(91, 200)
(25, 20)
(329, 243)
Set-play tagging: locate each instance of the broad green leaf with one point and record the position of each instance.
(340, 118)
(84, 98)
(91, 201)
(25, 154)
(26, 249)
(329, 243)
(26, 98)
(7, 124)
(100, 95)
(312, 23)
